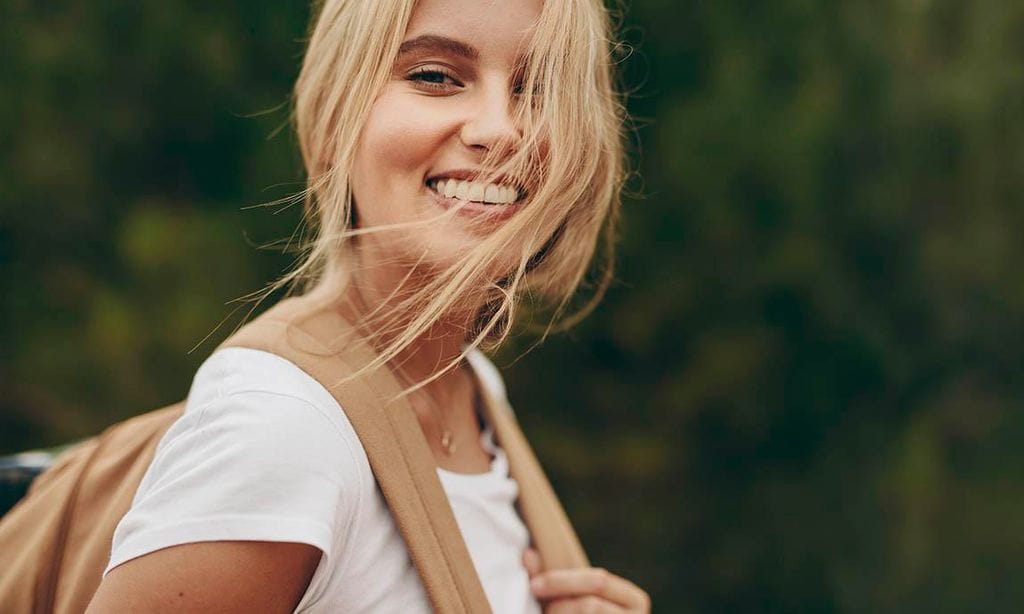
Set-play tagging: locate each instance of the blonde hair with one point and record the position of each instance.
(571, 154)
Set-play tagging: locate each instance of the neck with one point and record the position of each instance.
(429, 352)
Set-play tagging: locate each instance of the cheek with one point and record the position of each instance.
(400, 136)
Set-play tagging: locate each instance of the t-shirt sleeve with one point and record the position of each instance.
(250, 466)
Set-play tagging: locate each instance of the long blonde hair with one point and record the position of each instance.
(571, 151)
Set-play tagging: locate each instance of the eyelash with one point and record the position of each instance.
(418, 77)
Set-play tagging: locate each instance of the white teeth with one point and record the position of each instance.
(474, 191)
(492, 194)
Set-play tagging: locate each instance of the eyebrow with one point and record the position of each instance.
(436, 42)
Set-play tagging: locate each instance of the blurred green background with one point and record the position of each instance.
(803, 393)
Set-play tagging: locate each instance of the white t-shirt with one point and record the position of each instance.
(264, 453)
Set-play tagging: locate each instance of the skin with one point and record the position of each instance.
(440, 111)
(577, 591)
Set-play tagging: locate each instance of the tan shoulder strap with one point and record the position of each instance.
(552, 533)
(323, 344)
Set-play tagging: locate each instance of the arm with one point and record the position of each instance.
(235, 512)
(222, 576)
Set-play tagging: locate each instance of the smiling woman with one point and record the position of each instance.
(460, 154)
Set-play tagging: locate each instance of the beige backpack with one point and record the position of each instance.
(56, 542)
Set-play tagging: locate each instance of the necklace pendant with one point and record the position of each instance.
(447, 443)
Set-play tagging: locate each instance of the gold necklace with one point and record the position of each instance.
(447, 437)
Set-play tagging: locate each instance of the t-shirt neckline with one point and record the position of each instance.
(498, 467)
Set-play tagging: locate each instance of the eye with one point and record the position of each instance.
(519, 92)
(518, 88)
(433, 78)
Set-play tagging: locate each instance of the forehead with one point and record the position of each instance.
(497, 29)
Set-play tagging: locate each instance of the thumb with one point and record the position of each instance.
(531, 560)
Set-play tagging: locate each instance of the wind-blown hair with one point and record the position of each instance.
(569, 160)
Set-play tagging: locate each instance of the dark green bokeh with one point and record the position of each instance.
(803, 392)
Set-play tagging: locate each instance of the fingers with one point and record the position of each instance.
(531, 560)
(583, 605)
(593, 581)
(591, 590)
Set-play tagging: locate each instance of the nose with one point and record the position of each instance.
(489, 125)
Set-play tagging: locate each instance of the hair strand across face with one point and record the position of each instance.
(569, 159)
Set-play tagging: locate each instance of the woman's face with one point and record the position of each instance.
(447, 105)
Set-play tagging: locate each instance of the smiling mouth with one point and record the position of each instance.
(476, 191)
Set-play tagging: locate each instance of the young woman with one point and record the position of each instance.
(462, 155)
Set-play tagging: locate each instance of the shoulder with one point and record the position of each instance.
(237, 371)
(266, 408)
(259, 455)
(259, 410)
(261, 400)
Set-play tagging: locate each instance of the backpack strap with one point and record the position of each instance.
(552, 533)
(324, 345)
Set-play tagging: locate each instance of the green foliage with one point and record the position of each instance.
(803, 393)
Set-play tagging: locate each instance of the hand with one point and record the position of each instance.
(575, 591)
